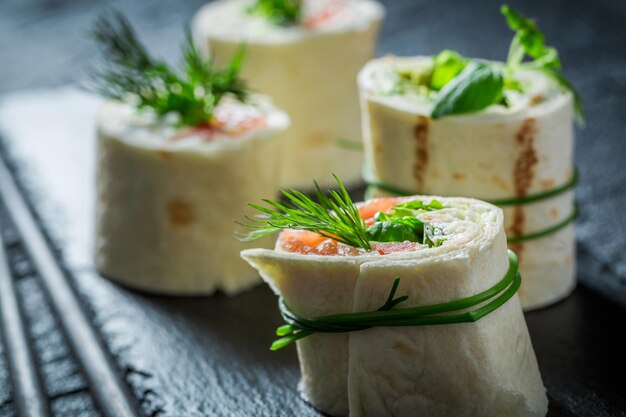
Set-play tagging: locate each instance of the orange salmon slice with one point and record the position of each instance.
(311, 243)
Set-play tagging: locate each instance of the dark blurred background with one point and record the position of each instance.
(204, 357)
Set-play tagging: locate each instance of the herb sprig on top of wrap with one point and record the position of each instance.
(279, 12)
(132, 75)
(337, 217)
(458, 85)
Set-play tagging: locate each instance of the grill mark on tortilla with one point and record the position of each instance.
(459, 175)
(501, 183)
(537, 99)
(554, 213)
(547, 184)
(420, 133)
(524, 172)
(179, 213)
(517, 229)
(165, 154)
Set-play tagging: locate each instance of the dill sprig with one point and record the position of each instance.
(130, 73)
(334, 216)
(279, 12)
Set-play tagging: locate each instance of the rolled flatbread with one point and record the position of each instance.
(309, 69)
(497, 153)
(167, 197)
(487, 368)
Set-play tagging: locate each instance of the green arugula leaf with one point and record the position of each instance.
(447, 65)
(478, 86)
(528, 36)
(279, 12)
(529, 40)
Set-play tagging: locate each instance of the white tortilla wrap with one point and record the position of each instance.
(309, 72)
(493, 154)
(486, 368)
(166, 207)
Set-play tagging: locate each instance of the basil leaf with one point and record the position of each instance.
(398, 230)
(478, 86)
(447, 65)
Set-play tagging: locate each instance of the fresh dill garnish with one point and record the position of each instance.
(335, 217)
(131, 74)
(279, 12)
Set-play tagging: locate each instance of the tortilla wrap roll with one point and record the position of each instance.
(485, 368)
(309, 68)
(504, 155)
(167, 196)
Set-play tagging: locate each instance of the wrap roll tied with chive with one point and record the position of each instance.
(309, 68)
(499, 153)
(167, 196)
(486, 368)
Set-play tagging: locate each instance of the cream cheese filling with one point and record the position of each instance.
(234, 123)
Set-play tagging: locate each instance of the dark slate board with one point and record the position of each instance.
(209, 356)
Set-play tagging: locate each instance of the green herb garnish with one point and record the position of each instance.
(131, 73)
(444, 313)
(402, 224)
(337, 217)
(477, 87)
(462, 85)
(279, 12)
(446, 65)
(530, 41)
(399, 229)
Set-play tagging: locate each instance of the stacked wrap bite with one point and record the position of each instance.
(518, 156)
(486, 368)
(309, 67)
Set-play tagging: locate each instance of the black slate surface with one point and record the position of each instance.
(6, 403)
(64, 385)
(208, 356)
